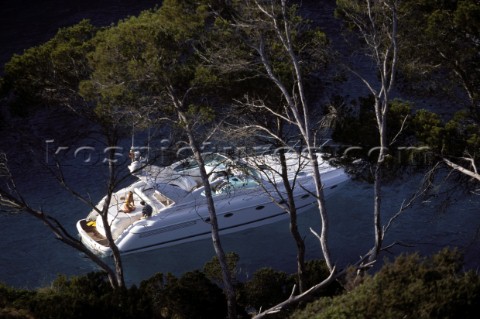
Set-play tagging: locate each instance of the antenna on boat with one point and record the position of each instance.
(133, 154)
(133, 135)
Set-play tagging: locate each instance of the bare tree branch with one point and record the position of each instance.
(12, 199)
(294, 299)
(472, 173)
(400, 130)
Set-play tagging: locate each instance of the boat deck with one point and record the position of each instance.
(93, 233)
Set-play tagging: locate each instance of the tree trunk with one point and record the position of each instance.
(115, 252)
(381, 39)
(301, 117)
(381, 109)
(226, 275)
(61, 234)
(322, 209)
(377, 220)
(292, 209)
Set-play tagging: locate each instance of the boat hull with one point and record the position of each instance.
(237, 210)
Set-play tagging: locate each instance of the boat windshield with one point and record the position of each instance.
(211, 159)
(233, 183)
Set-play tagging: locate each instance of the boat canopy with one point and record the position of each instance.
(175, 191)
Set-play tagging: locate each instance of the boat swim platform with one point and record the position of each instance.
(93, 233)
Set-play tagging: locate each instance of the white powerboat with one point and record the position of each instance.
(247, 193)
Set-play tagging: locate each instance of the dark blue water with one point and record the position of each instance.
(32, 257)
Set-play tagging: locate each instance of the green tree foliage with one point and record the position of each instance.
(358, 126)
(315, 272)
(428, 128)
(79, 297)
(463, 134)
(141, 62)
(233, 54)
(267, 288)
(12, 302)
(119, 64)
(440, 45)
(409, 287)
(191, 296)
(409, 128)
(213, 271)
(50, 73)
(456, 137)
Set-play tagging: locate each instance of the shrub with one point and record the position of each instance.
(267, 288)
(316, 272)
(78, 297)
(191, 296)
(410, 287)
(213, 271)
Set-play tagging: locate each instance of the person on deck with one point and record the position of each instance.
(129, 205)
(146, 210)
